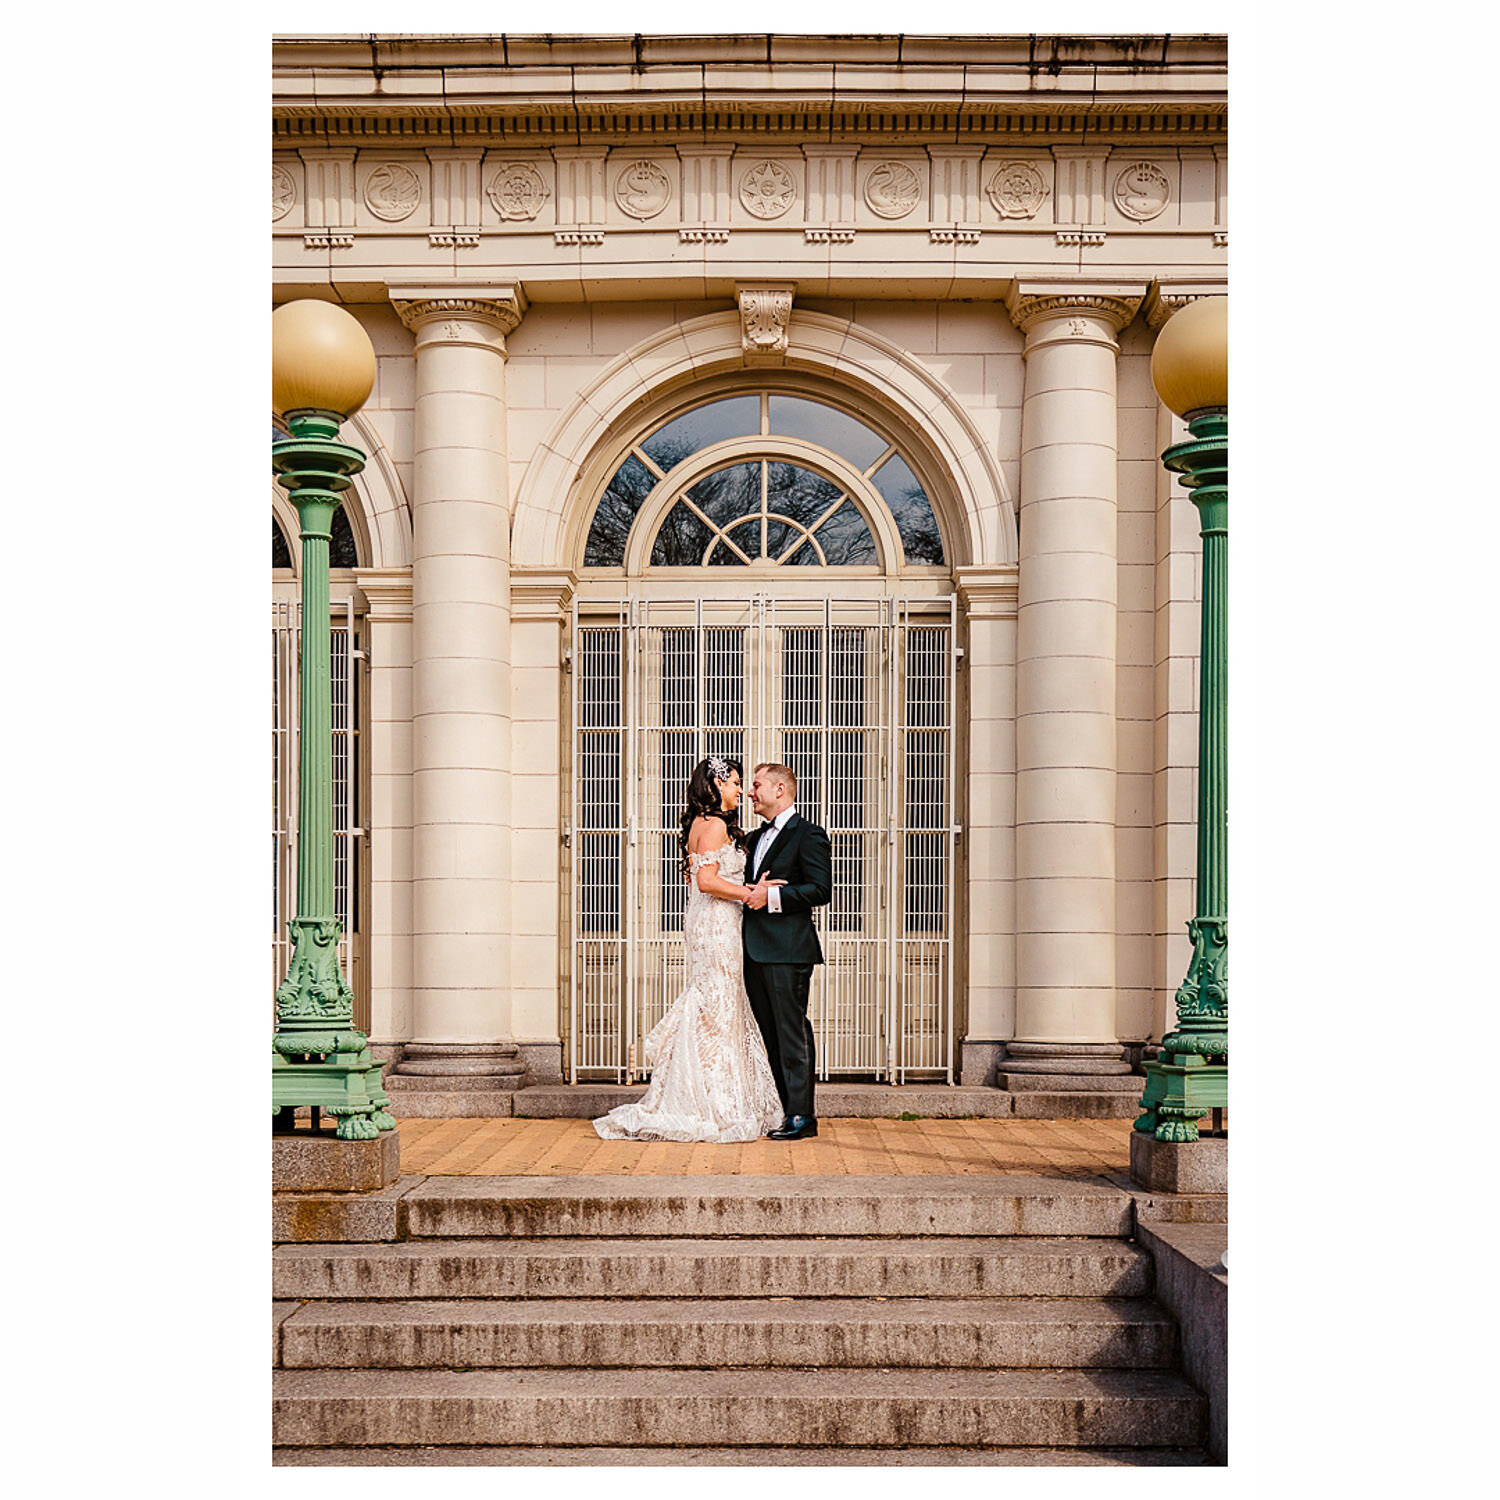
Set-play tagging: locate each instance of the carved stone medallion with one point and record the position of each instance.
(642, 190)
(392, 191)
(892, 189)
(1142, 191)
(1017, 190)
(517, 191)
(283, 193)
(767, 190)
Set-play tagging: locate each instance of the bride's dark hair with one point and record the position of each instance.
(703, 801)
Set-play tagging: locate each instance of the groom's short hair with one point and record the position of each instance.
(778, 773)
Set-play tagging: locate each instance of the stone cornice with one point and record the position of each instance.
(388, 590)
(1030, 303)
(1166, 298)
(501, 307)
(510, 87)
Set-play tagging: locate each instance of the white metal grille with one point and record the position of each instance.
(855, 696)
(286, 643)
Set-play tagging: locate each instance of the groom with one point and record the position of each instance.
(781, 944)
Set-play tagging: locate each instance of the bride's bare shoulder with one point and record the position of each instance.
(706, 835)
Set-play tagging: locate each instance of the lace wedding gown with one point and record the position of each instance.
(710, 1078)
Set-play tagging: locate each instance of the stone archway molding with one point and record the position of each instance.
(384, 507)
(835, 348)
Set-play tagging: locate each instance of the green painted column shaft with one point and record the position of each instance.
(1191, 1074)
(315, 723)
(314, 1005)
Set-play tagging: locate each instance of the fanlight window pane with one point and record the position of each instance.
(912, 511)
(828, 427)
(845, 539)
(281, 552)
(627, 492)
(682, 540)
(727, 494)
(799, 494)
(738, 416)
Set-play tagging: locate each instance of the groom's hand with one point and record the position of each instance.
(756, 900)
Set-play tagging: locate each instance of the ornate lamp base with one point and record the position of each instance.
(346, 1085)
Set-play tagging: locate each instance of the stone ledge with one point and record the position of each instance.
(1076, 1105)
(1200, 1166)
(453, 1104)
(302, 1162)
(335, 1218)
(1186, 1260)
(1123, 1082)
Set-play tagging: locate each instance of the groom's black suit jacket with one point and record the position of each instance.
(801, 856)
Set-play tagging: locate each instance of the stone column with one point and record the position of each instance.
(1065, 1036)
(388, 818)
(541, 605)
(988, 597)
(461, 1036)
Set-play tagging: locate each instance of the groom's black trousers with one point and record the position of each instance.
(778, 997)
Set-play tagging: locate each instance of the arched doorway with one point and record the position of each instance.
(765, 576)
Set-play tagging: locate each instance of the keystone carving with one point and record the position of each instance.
(765, 318)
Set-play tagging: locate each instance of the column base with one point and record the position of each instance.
(441, 1079)
(1062, 1062)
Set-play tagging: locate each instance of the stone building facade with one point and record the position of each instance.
(781, 397)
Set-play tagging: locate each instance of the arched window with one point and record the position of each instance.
(343, 548)
(281, 549)
(799, 486)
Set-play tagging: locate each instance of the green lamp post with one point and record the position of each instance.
(322, 370)
(1190, 369)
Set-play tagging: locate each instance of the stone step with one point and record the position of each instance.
(1103, 1083)
(658, 1206)
(930, 1266)
(842, 1101)
(894, 1458)
(1077, 1105)
(732, 1408)
(1016, 1333)
(463, 1103)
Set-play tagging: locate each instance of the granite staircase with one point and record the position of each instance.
(726, 1320)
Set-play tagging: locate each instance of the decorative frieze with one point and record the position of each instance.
(765, 318)
(703, 236)
(830, 184)
(453, 239)
(1221, 238)
(329, 185)
(642, 190)
(955, 193)
(455, 187)
(1017, 190)
(578, 237)
(828, 236)
(516, 191)
(705, 183)
(580, 184)
(328, 239)
(1079, 236)
(1080, 184)
(1142, 191)
(392, 191)
(283, 193)
(954, 236)
(767, 190)
(892, 189)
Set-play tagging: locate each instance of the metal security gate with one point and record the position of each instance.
(345, 657)
(858, 698)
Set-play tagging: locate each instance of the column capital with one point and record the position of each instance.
(1031, 303)
(387, 592)
(989, 593)
(499, 308)
(541, 593)
(1168, 297)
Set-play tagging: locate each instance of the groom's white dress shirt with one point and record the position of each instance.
(763, 851)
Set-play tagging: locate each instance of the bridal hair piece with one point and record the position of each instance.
(704, 798)
(719, 767)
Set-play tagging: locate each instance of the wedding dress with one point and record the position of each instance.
(710, 1077)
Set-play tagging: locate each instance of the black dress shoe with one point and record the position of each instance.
(794, 1128)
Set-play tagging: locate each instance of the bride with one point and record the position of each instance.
(710, 1077)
